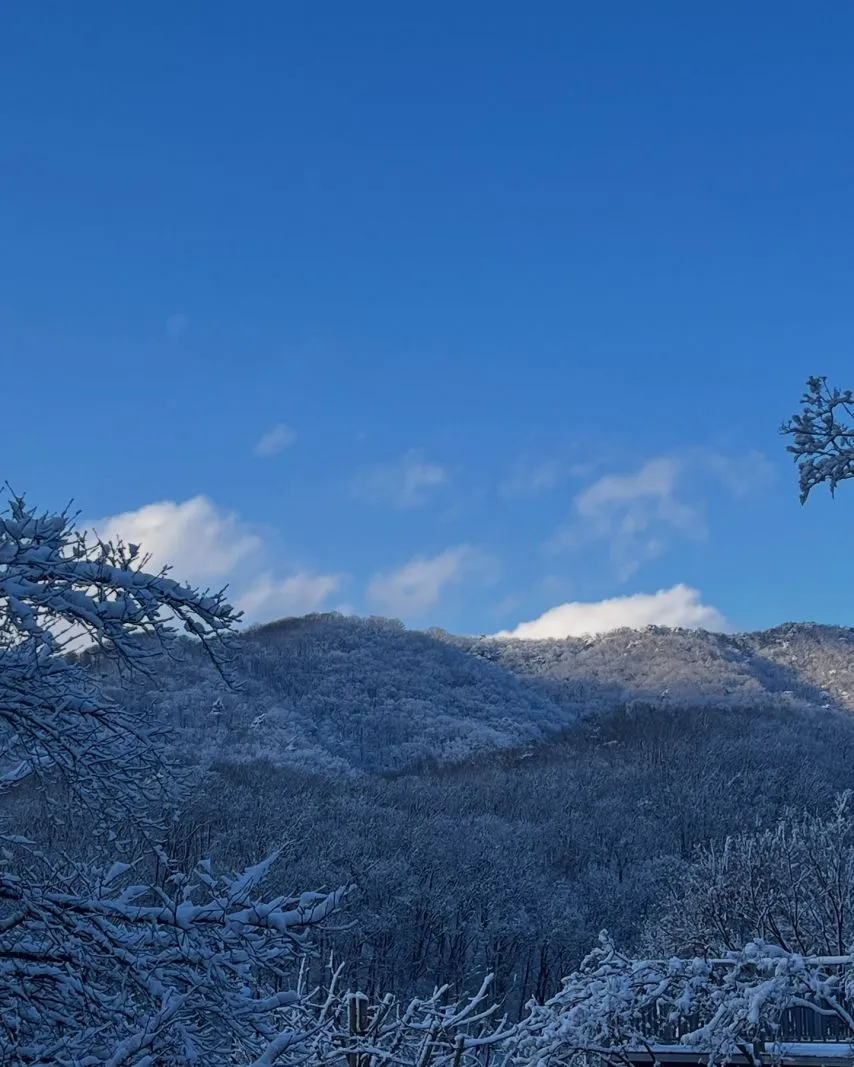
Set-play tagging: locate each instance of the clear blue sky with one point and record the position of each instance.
(530, 286)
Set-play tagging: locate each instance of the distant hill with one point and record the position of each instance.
(798, 664)
(345, 695)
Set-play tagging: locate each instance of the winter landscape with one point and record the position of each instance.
(638, 840)
(425, 535)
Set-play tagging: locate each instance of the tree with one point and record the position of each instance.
(726, 1006)
(791, 885)
(822, 444)
(111, 955)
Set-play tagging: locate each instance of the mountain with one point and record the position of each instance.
(498, 803)
(346, 695)
(798, 664)
(342, 695)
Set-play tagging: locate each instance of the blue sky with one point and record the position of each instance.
(455, 312)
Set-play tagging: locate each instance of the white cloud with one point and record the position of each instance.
(637, 514)
(276, 440)
(298, 594)
(678, 606)
(742, 475)
(527, 478)
(420, 583)
(201, 542)
(207, 546)
(406, 483)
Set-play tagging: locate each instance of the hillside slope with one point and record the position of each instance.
(345, 695)
(797, 664)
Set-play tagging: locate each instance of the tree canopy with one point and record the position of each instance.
(822, 439)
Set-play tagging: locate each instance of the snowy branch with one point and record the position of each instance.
(823, 445)
(733, 1005)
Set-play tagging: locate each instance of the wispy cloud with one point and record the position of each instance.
(529, 478)
(405, 483)
(275, 440)
(177, 325)
(299, 594)
(421, 582)
(636, 514)
(742, 475)
(677, 606)
(640, 515)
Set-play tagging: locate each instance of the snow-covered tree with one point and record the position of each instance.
(822, 442)
(429, 1031)
(109, 954)
(791, 884)
(732, 1005)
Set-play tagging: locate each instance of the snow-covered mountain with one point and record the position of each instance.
(796, 664)
(499, 853)
(349, 695)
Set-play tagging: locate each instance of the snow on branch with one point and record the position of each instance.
(85, 975)
(346, 1030)
(58, 588)
(734, 1005)
(823, 444)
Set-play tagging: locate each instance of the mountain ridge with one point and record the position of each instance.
(348, 695)
(809, 663)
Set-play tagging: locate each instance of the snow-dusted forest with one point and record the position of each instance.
(341, 695)
(499, 803)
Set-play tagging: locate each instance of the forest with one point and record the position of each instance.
(499, 803)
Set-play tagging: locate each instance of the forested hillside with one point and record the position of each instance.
(498, 803)
(337, 695)
(344, 695)
(513, 862)
(799, 664)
